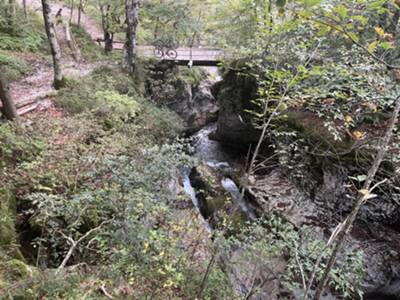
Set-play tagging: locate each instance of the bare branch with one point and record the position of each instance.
(74, 243)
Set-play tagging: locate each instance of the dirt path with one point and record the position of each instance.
(35, 91)
(86, 22)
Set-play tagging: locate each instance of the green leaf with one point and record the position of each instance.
(386, 45)
(353, 36)
(372, 46)
(342, 11)
(376, 4)
(361, 178)
(380, 31)
(363, 20)
(311, 3)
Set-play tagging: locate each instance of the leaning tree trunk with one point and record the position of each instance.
(108, 35)
(80, 12)
(132, 20)
(8, 109)
(71, 14)
(363, 196)
(59, 80)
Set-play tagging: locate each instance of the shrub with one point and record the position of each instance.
(90, 50)
(21, 34)
(14, 67)
(162, 123)
(17, 146)
(80, 95)
(264, 244)
(115, 107)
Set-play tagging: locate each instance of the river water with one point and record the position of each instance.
(219, 158)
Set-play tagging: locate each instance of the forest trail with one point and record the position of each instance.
(35, 91)
(86, 22)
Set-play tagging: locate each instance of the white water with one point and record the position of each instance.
(192, 194)
(213, 154)
(234, 191)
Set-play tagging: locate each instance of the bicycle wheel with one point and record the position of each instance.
(158, 52)
(171, 53)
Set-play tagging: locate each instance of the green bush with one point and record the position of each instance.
(115, 108)
(21, 34)
(28, 42)
(264, 243)
(14, 67)
(80, 95)
(89, 48)
(161, 123)
(18, 147)
(112, 97)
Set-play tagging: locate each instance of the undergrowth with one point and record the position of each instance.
(14, 68)
(104, 162)
(22, 35)
(89, 48)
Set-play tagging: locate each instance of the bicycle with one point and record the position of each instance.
(163, 51)
(163, 48)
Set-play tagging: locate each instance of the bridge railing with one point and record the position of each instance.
(209, 54)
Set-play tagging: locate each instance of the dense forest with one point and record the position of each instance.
(200, 149)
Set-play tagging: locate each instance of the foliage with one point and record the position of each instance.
(97, 94)
(171, 20)
(24, 35)
(264, 243)
(89, 49)
(104, 170)
(112, 98)
(17, 148)
(14, 67)
(165, 124)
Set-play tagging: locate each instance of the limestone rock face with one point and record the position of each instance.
(235, 95)
(195, 104)
(186, 92)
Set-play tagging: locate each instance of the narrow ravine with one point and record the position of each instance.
(217, 157)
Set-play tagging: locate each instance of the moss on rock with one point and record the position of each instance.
(7, 218)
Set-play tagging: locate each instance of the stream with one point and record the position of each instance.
(218, 164)
(217, 157)
(220, 159)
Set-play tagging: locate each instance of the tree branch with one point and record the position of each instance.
(361, 198)
(74, 243)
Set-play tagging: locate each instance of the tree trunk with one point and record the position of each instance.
(11, 12)
(80, 12)
(59, 80)
(108, 35)
(24, 7)
(132, 20)
(361, 198)
(71, 14)
(8, 109)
